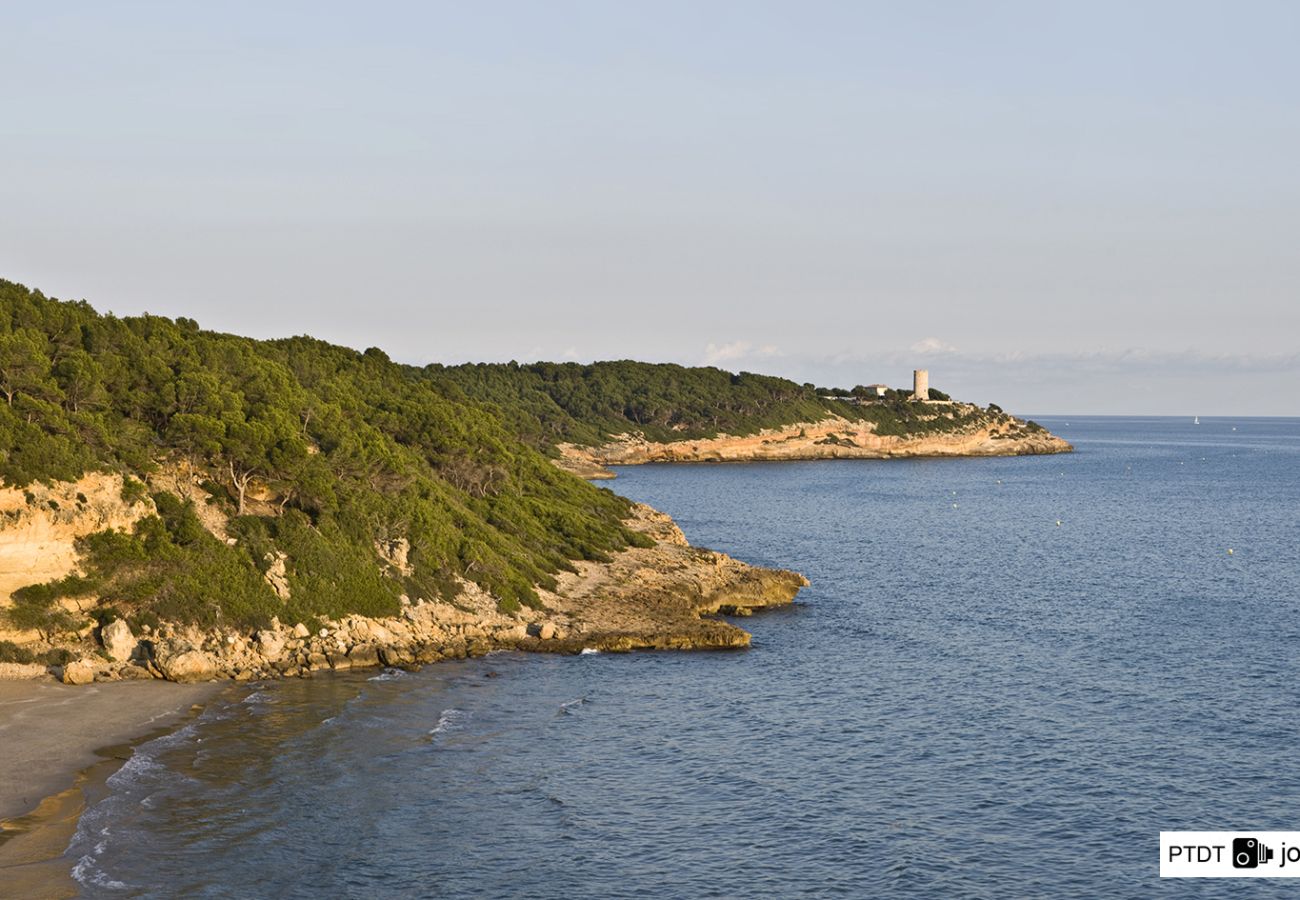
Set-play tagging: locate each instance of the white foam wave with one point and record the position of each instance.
(88, 874)
(450, 720)
(588, 650)
(387, 675)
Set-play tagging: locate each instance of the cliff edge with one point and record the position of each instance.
(989, 434)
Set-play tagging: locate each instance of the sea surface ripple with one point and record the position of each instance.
(1007, 677)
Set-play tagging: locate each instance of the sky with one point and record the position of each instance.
(1063, 207)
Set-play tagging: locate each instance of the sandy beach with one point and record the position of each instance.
(49, 731)
(59, 743)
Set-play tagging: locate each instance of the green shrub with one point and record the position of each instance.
(133, 491)
(12, 653)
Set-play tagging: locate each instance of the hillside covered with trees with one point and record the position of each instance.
(316, 456)
(344, 451)
(548, 403)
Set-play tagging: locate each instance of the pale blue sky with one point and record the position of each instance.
(1064, 207)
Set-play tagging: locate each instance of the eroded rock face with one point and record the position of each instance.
(38, 538)
(663, 597)
(118, 640)
(277, 576)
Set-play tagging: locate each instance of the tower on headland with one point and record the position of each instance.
(920, 384)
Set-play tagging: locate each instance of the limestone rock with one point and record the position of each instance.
(300, 631)
(547, 631)
(277, 576)
(270, 643)
(188, 666)
(79, 672)
(118, 640)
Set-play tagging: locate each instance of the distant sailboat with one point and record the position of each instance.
(1196, 420)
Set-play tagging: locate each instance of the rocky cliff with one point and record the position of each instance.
(831, 438)
(668, 595)
(40, 524)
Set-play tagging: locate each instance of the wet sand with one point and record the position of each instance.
(58, 745)
(49, 732)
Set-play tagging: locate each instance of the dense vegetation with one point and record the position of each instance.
(549, 403)
(318, 456)
(585, 404)
(316, 452)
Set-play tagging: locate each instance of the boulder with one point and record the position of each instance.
(133, 673)
(546, 632)
(118, 640)
(300, 631)
(79, 672)
(513, 633)
(364, 656)
(366, 630)
(188, 666)
(270, 643)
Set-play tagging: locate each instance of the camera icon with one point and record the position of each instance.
(1248, 853)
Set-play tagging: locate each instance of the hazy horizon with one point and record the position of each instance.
(1076, 209)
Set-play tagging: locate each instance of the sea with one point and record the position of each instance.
(1008, 676)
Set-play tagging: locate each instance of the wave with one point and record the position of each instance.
(88, 874)
(450, 720)
(388, 675)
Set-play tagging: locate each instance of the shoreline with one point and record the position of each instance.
(833, 438)
(663, 594)
(72, 741)
(52, 731)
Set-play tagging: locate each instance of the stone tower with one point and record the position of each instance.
(921, 384)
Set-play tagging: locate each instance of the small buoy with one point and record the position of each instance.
(1229, 551)
(1058, 523)
(954, 506)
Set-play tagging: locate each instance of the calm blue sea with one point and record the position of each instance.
(1007, 677)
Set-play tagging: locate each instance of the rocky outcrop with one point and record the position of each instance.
(667, 596)
(993, 434)
(39, 525)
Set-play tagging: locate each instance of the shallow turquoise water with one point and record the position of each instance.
(971, 700)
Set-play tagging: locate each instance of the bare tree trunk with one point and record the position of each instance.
(240, 481)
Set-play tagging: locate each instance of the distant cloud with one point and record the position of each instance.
(717, 354)
(932, 345)
(1126, 360)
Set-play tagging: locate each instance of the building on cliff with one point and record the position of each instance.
(920, 384)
